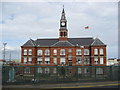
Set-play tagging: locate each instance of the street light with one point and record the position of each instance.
(4, 44)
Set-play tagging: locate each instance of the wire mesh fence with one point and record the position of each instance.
(58, 74)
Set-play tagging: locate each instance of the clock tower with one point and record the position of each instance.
(63, 32)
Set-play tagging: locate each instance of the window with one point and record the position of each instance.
(29, 60)
(95, 51)
(62, 52)
(47, 52)
(62, 60)
(54, 70)
(69, 57)
(99, 70)
(95, 60)
(54, 52)
(55, 60)
(86, 60)
(101, 60)
(30, 52)
(25, 51)
(27, 70)
(47, 60)
(79, 70)
(78, 52)
(86, 52)
(25, 60)
(39, 70)
(69, 50)
(78, 60)
(39, 60)
(101, 51)
(47, 70)
(39, 52)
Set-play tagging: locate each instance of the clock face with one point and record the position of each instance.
(63, 24)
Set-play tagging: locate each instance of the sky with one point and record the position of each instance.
(20, 21)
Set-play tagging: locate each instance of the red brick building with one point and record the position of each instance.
(64, 51)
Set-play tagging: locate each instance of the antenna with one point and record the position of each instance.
(4, 44)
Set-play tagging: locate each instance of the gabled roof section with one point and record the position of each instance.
(81, 41)
(63, 43)
(97, 42)
(46, 42)
(30, 43)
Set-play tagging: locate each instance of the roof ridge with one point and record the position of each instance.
(32, 42)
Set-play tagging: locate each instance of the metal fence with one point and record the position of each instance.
(58, 74)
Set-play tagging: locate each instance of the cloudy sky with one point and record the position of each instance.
(20, 21)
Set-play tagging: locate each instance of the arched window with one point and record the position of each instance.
(55, 52)
(30, 52)
(47, 52)
(101, 51)
(39, 52)
(96, 51)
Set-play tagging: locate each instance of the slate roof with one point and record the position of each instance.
(71, 42)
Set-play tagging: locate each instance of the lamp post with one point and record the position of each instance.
(4, 45)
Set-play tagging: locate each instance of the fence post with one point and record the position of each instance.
(111, 73)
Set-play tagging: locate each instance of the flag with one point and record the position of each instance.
(87, 27)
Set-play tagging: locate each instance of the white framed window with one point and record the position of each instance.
(39, 70)
(25, 60)
(29, 60)
(47, 60)
(101, 60)
(86, 60)
(39, 60)
(78, 52)
(101, 51)
(69, 50)
(78, 60)
(96, 51)
(69, 57)
(62, 52)
(25, 51)
(47, 52)
(55, 60)
(79, 70)
(86, 51)
(39, 52)
(62, 60)
(47, 70)
(54, 52)
(95, 60)
(99, 70)
(30, 52)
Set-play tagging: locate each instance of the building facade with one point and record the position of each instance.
(64, 51)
